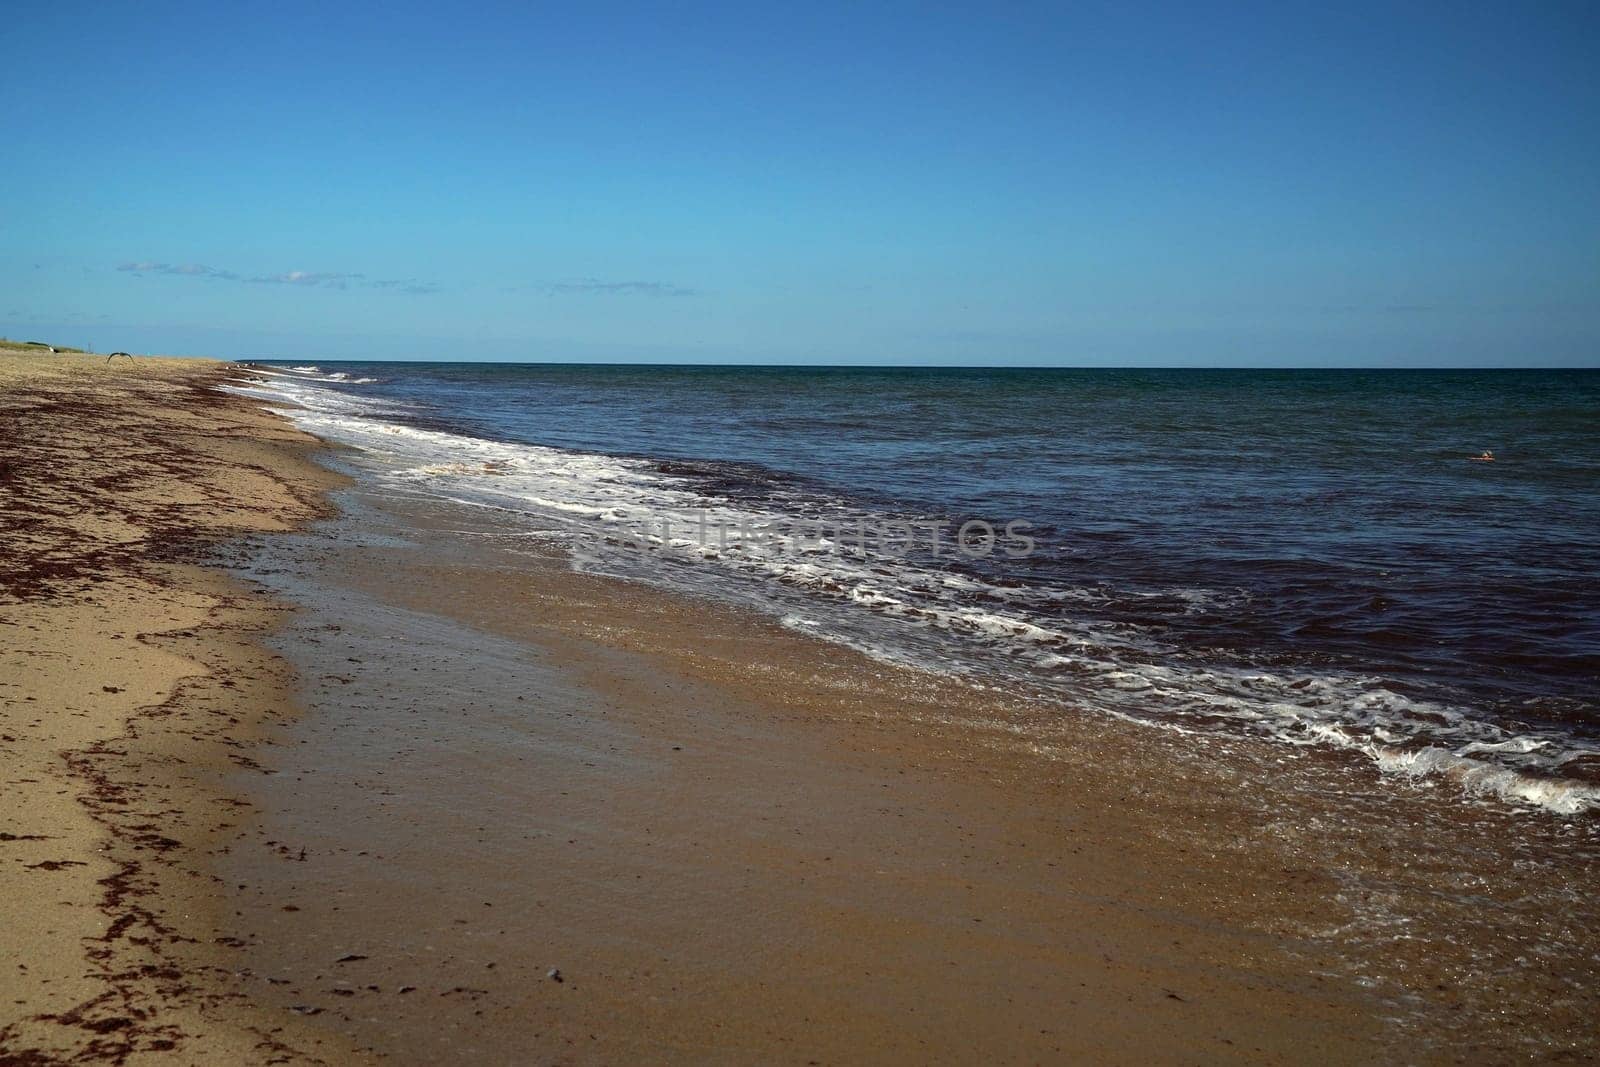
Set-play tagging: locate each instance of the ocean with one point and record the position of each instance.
(1314, 558)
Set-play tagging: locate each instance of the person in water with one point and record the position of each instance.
(1485, 457)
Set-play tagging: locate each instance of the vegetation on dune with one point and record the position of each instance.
(6, 342)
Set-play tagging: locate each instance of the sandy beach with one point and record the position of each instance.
(131, 682)
(298, 772)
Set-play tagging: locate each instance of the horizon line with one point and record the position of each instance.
(310, 361)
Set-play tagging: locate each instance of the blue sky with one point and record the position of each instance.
(1170, 184)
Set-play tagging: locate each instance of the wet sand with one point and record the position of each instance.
(485, 809)
(735, 843)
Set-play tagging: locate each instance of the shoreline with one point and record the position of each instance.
(1107, 834)
(1302, 653)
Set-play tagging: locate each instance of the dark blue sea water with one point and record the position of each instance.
(1310, 556)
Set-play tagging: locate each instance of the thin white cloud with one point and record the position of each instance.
(325, 278)
(405, 285)
(187, 270)
(318, 279)
(604, 288)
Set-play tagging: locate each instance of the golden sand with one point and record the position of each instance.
(128, 679)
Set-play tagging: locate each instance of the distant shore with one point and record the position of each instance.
(266, 802)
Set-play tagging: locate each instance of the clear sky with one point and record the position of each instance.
(1075, 184)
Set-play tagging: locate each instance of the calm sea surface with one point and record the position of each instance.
(1303, 555)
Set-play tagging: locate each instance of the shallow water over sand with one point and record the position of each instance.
(726, 836)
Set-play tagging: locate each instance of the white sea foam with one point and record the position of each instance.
(310, 373)
(625, 516)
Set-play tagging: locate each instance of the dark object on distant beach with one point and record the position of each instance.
(554, 974)
(40, 344)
